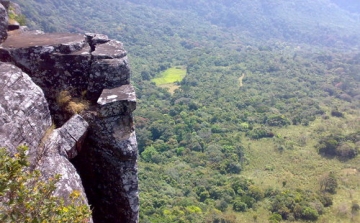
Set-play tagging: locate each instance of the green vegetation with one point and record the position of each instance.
(21, 19)
(294, 205)
(283, 146)
(345, 147)
(25, 197)
(170, 75)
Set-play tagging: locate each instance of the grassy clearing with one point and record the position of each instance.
(170, 75)
(302, 167)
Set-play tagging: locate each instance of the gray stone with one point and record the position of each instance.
(61, 144)
(25, 115)
(92, 68)
(94, 38)
(117, 101)
(72, 133)
(5, 3)
(25, 120)
(3, 23)
(109, 50)
(108, 168)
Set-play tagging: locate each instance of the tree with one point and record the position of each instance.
(309, 213)
(239, 206)
(149, 154)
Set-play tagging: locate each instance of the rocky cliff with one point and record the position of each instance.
(81, 85)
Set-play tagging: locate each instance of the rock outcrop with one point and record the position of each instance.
(25, 120)
(25, 115)
(85, 80)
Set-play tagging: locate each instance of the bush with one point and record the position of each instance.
(299, 204)
(221, 205)
(326, 199)
(337, 114)
(150, 154)
(239, 206)
(329, 183)
(25, 197)
(343, 147)
(309, 213)
(355, 207)
(259, 133)
(277, 120)
(21, 19)
(248, 200)
(275, 218)
(328, 145)
(256, 192)
(346, 151)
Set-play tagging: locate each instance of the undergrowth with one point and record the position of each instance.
(26, 197)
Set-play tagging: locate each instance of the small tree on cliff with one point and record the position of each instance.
(24, 197)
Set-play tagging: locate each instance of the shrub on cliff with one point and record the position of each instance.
(21, 19)
(24, 197)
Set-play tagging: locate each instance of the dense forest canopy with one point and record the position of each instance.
(321, 21)
(265, 125)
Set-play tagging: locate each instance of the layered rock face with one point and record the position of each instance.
(85, 80)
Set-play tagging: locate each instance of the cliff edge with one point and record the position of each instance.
(81, 85)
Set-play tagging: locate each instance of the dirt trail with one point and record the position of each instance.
(241, 80)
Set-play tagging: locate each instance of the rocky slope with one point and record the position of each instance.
(82, 84)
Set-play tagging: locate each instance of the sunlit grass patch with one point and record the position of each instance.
(170, 75)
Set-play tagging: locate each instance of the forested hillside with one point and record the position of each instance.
(265, 125)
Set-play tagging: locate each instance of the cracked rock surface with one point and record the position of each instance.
(83, 65)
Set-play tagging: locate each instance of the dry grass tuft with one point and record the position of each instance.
(77, 106)
(63, 98)
(70, 104)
